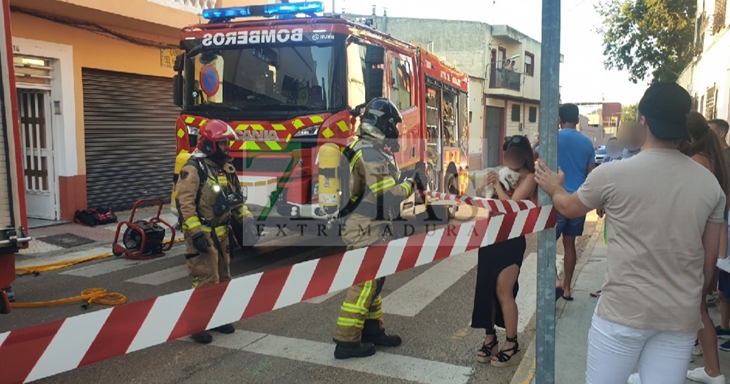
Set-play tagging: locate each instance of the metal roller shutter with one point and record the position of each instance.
(129, 125)
(6, 209)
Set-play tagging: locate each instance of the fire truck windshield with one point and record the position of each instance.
(266, 79)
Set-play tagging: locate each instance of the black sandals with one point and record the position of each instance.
(489, 350)
(506, 360)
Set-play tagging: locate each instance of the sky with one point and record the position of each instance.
(583, 76)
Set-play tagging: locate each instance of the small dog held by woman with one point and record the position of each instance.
(507, 177)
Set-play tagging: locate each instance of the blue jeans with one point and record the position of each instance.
(569, 227)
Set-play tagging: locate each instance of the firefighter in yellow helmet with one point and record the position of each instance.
(209, 194)
(377, 191)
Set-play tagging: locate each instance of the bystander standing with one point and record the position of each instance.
(704, 148)
(658, 266)
(613, 150)
(720, 127)
(577, 158)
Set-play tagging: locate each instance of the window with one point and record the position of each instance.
(265, 79)
(356, 74)
(463, 122)
(718, 22)
(400, 81)
(533, 114)
(710, 112)
(529, 64)
(515, 112)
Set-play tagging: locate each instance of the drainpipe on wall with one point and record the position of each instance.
(384, 27)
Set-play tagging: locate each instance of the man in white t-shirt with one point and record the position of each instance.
(666, 213)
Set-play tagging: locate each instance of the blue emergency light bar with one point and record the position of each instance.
(267, 10)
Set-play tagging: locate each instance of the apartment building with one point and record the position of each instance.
(707, 78)
(95, 99)
(504, 75)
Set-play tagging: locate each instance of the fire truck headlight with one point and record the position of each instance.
(311, 131)
(192, 130)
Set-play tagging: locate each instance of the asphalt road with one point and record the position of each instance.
(429, 306)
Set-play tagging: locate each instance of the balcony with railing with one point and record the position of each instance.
(503, 78)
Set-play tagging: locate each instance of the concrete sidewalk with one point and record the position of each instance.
(70, 240)
(575, 320)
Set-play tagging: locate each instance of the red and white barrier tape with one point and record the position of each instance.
(496, 206)
(40, 351)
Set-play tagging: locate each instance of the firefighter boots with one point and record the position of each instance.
(347, 350)
(203, 337)
(372, 333)
(227, 329)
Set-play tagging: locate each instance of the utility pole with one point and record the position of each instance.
(549, 100)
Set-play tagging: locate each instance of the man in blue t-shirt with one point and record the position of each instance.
(576, 157)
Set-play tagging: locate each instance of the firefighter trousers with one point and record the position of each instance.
(363, 302)
(213, 266)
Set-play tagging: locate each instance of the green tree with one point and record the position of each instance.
(628, 112)
(643, 36)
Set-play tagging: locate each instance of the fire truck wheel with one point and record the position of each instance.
(453, 188)
(433, 178)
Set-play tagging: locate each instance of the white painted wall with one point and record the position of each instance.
(476, 127)
(713, 68)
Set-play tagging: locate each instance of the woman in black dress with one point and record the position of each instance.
(499, 264)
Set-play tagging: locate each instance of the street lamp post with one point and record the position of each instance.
(549, 96)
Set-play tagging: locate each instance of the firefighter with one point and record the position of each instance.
(377, 190)
(209, 196)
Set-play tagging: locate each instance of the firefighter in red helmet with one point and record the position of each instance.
(209, 195)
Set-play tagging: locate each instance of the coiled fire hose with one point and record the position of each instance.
(91, 295)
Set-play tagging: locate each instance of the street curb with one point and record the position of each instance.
(525, 373)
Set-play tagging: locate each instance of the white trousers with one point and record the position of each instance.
(615, 349)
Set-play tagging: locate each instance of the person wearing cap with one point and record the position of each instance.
(658, 266)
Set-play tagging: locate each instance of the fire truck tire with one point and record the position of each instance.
(433, 178)
(452, 187)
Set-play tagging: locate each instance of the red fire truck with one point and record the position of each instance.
(12, 190)
(290, 84)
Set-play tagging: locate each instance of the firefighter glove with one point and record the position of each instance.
(250, 233)
(418, 178)
(200, 242)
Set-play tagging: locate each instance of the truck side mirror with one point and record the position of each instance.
(374, 56)
(178, 63)
(374, 83)
(177, 90)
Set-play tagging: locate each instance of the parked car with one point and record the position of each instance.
(600, 154)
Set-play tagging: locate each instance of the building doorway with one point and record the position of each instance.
(493, 134)
(34, 106)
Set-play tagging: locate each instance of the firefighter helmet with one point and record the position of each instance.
(211, 133)
(380, 120)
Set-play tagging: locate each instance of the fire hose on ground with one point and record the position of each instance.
(90, 296)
